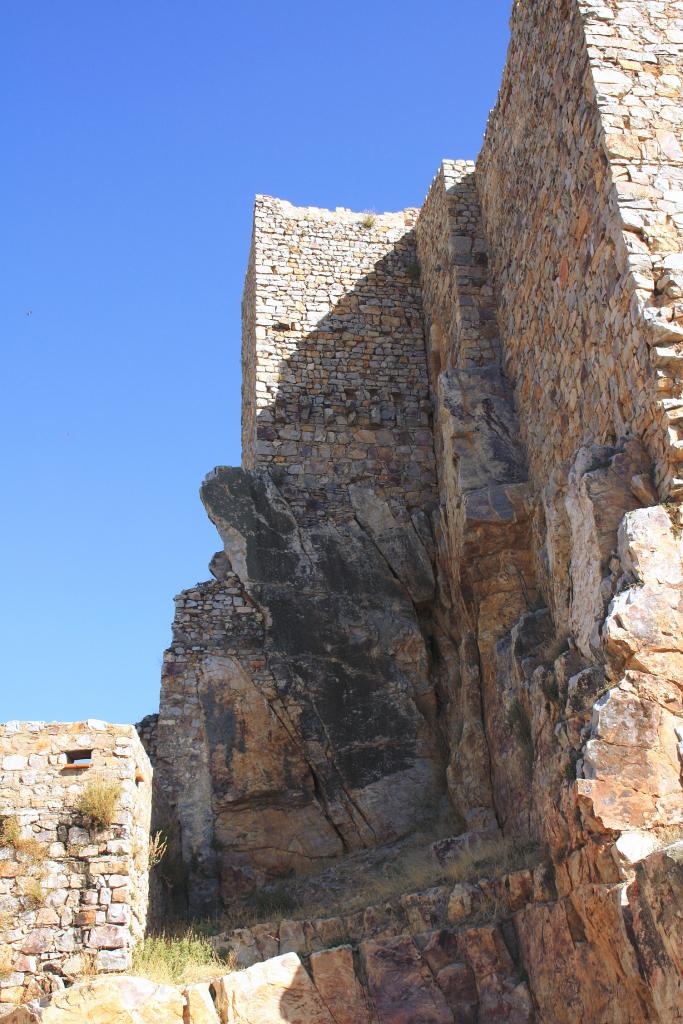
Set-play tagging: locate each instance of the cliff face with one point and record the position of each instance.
(448, 607)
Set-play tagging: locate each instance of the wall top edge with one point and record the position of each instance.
(88, 725)
(286, 209)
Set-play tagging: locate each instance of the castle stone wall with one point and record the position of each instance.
(335, 376)
(457, 297)
(72, 894)
(635, 50)
(569, 270)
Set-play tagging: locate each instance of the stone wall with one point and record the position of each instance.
(457, 295)
(571, 220)
(73, 892)
(335, 379)
(635, 52)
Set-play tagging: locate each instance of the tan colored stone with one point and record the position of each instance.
(200, 1007)
(335, 979)
(22, 1015)
(276, 990)
(116, 1000)
(463, 902)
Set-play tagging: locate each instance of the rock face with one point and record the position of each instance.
(277, 990)
(331, 669)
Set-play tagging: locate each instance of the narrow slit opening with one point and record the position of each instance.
(78, 758)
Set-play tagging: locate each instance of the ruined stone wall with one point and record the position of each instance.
(335, 378)
(457, 296)
(566, 220)
(73, 893)
(635, 52)
(249, 349)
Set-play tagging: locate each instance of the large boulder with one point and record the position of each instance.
(107, 1000)
(276, 990)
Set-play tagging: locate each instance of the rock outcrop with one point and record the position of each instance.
(315, 726)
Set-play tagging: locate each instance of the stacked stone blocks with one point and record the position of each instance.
(73, 893)
(335, 382)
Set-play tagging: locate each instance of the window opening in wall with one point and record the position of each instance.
(78, 758)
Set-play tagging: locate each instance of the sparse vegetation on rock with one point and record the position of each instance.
(178, 958)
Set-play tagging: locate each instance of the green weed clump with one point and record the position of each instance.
(272, 902)
(183, 958)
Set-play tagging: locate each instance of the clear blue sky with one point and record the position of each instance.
(134, 136)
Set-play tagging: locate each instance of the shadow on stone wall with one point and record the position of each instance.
(350, 401)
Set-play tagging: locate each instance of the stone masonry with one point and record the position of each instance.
(335, 389)
(580, 185)
(72, 893)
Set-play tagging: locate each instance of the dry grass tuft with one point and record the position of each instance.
(34, 894)
(11, 836)
(673, 510)
(491, 908)
(368, 219)
(493, 859)
(10, 831)
(99, 801)
(415, 871)
(6, 920)
(84, 967)
(667, 835)
(158, 845)
(179, 959)
(33, 849)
